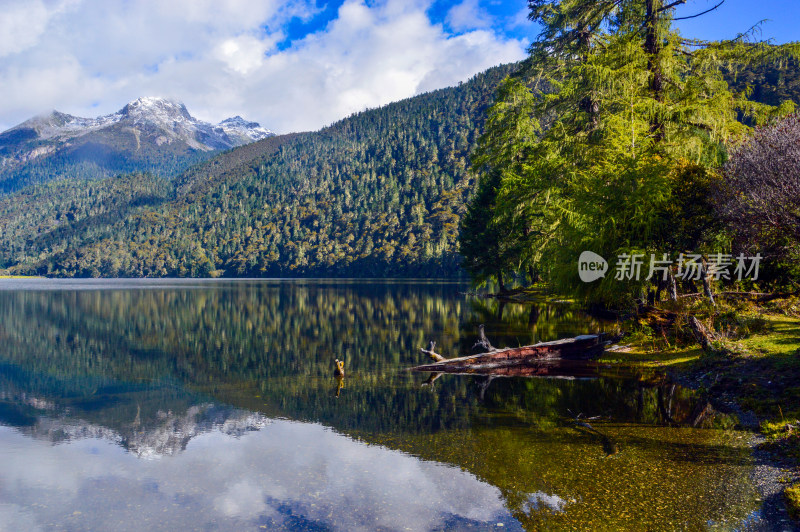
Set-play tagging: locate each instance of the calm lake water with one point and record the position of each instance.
(212, 405)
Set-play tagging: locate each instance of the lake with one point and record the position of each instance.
(212, 405)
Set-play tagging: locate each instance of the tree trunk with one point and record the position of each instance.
(589, 103)
(534, 275)
(701, 334)
(431, 353)
(500, 282)
(652, 45)
(672, 287)
(706, 284)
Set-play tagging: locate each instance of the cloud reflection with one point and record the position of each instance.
(287, 475)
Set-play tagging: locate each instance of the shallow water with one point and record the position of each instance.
(146, 405)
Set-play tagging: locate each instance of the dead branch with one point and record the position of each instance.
(701, 334)
(431, 353)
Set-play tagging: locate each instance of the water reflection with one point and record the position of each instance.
(285, 476)
(215, 405)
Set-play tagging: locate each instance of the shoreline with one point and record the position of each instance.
(752, 378)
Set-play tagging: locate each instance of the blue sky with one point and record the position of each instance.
(508, 17)
(781, 19)
(289, 64)
(782, 22)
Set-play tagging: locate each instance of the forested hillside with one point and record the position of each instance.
(94, 161)
(771, 84)
(47, 219)
(377, 194)
(380, 193)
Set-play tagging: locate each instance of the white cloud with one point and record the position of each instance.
(24, 22)
(520, 19)
(237, 483)
(468, 16)
(245, 53)
(221, 57)
(21, 26)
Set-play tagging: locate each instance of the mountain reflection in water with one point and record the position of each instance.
(284, 475)
(139, 405)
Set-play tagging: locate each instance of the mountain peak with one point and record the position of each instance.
(239, 121)
(146, 125)
(244, 131)
(156, 107)
(51, 119)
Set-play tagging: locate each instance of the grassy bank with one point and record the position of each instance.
(754, 364)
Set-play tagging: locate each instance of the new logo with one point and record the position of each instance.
(591, 266)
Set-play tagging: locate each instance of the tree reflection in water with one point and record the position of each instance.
(154, 368)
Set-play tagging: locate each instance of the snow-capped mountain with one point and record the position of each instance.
(247, 132)
(168, 119)
(148, 134)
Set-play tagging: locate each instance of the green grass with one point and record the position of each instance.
(757, 364)
(792, 495)
(639, 355)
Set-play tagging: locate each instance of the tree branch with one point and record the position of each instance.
(673, 4)
(700, 14)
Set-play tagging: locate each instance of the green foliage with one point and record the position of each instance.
(497, 236)
(477, 238)
(689, 220)
(637, 119)
(378, 194)
(771, 84)
(48, 219)
(792, 495)
(118, 154)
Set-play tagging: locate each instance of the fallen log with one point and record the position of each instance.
(551, 367)
(760, 297)
(529, 359)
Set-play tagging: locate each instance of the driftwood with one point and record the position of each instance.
(700, 413)
(551, 367)
(540, 359)
(431, 353)
(672, 287)
(609, 446)
(431, 379)
(760, 297)
(707, 285)
(483, 343)
(339, 369)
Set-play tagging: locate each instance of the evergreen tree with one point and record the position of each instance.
(627, 105)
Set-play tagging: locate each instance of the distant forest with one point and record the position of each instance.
(378, 194)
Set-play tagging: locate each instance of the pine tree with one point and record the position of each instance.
(626, 105)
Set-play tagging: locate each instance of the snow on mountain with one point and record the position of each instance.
(238, 127)
(167, 435)
(57, 125)
(166, 120)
